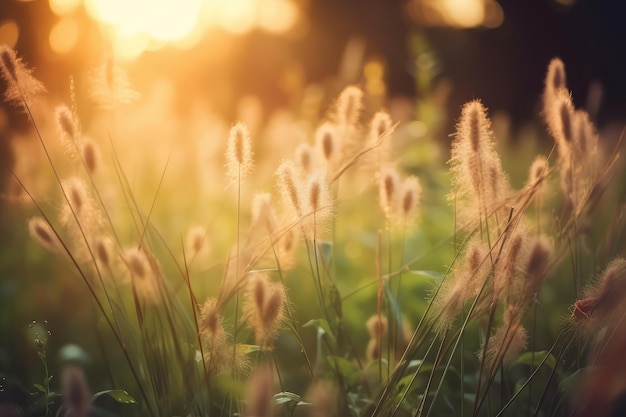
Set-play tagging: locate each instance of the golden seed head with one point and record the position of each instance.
(197, 240)
(210, 317)
(90, 155)
(388, 185)
(104, 251)
(411, 194)
(349, 105)
(264, 307)
(66, 124)
(327, 140)
(239, 152)
(304, 157)
(41, 231)
(288, 183)
(555, 78)
(380, 125)
(8, 63)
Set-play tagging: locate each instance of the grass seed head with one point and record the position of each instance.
(41, 231)
(411, 195)
(388, 190)
(289, 184)
(264, 308)
(76, 397)
(349, 105)
(22, 88)
(238, 153)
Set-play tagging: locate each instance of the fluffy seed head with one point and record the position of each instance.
(506, 344)
(349, 105)
(388, 190)
(210, 318)
(468, 276)
(604, 303)
(264, 308)
(41, 231)
(67, 125)
(79, 206)
(327, 141)
(538, 170)
(143, 276)
(555, 78)
(508, 263)
(317, 203)
(560, 119)
(289, 184)
(476, 167)
(104, 251)
(381, 125)
(286, 249)
(218, 350)
(22, 87)
(90, 154)
(305, 157)
(76, 397)
(555, 83)
(536, 268)
(197, 241)
(411, 194)
(109, 86)
(8, 63)
(238, 152)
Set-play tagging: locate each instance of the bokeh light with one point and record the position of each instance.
(9, 32)
(457, 13)
(64, 35)
(135, 26)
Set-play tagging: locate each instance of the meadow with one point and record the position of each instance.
(325, 260)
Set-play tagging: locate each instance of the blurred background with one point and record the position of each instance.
(268, 48)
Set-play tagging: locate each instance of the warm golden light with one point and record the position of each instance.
(138, 25)
(64, 36)
(9, 32)
(457, 13)
(64, 7)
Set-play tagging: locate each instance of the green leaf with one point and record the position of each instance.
(245, 349)
(341, 365)
(39, 387)
(571, 384)
(527, 359)
(394, 308)
(437, 276)
(118, 395)
(321, 324)
(286, 397)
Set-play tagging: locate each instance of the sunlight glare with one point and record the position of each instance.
(64, 36)
(181, 22)
(63, 7)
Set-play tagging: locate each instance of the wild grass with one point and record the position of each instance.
(321, 277)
